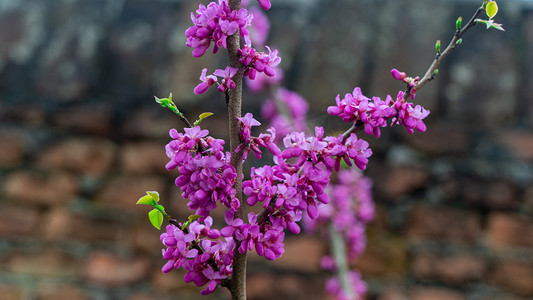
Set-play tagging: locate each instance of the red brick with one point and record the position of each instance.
(151, 123)
(61, 292)
(385, 256)
(442, 223)
(520, 143)
(62, 224)
(260, 285)
(440, 140)
(452, 269)
(146, 237)
(168, 282)
(43, 262)
(436, 294)
(94, 118)
(403, 180)
(83, 156)
(143, 158)
(302, 253)
(478, 192)
(17, 220)
(393, 293)
(504, 230)
(9, 292)
(12, 150)
(124, 191)
(42, 189)
(516, 276)
(109, 270)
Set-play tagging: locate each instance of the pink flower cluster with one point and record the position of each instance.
(350, 209)
(374, 113)
(301, 173)
(215, 23)
(194, 248)
(334, 287)
(266, 237)
(254, 61)
(251, 143)
(209, 80)
(205, 174)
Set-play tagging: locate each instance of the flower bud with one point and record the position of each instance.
(397, 74)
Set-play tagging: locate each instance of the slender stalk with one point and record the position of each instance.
(234, 102)
(338, 246)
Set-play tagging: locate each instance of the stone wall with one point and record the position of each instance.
(82, 140)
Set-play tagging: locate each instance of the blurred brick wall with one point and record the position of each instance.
(82, 140)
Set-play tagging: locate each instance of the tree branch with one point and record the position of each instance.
(430, 73)
(238, 280)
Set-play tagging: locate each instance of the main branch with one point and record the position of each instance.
(238, 280)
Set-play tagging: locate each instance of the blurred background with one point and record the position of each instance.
(81, 139)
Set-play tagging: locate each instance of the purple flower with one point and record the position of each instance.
(397, 74)
(215, 23)
(265, 4)
(254, 61)
(227, 81)
(207, 82)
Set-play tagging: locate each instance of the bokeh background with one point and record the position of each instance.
(81, 139)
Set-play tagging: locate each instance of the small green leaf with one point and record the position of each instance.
(156, 218)
(147, 199)
(497, 26)
(194, 217)
(437, 46)
(435, 72)
(154, 195)
(459, 41)
(491, 9)
(458, 23)
(202, 116)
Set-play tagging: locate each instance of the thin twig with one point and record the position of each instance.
(430, 73)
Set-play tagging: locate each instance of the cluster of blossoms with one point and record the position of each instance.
(214, 23)
(350, 209)
(199, 250)
(374, 113)
(295, 186)
(254, 61)
(205, 174)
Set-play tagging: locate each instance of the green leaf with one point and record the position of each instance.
(458, 23)
(490, 24)
(202, 116)
(491, 9)
(147, 199)
(194, 217)
(459, 41)
(497, 26)
(437, 46)
(154, 195)
(156, 218)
